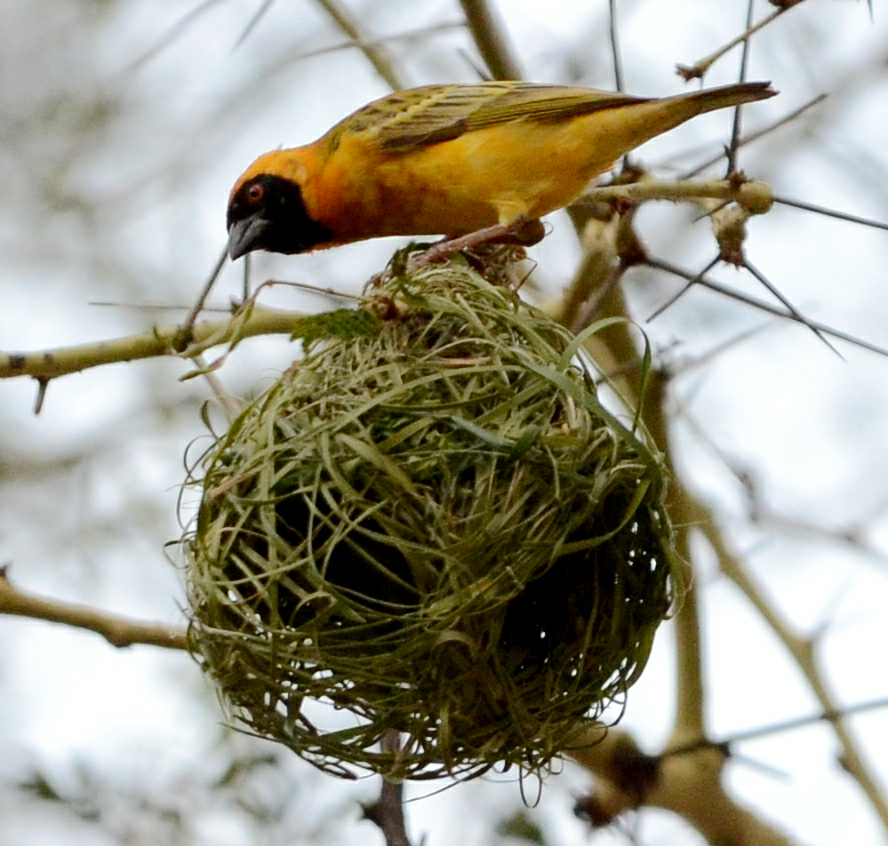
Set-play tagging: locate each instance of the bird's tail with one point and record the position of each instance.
(614, 132)
(698, 102)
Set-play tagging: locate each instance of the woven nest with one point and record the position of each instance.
(432, 525)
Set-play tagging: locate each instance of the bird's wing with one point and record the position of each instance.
(422, 116)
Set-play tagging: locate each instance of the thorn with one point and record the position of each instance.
(42, 383)
(690, 283)
(789, 306)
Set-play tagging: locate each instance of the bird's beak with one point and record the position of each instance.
(246, 235)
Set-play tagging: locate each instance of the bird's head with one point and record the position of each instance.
(267, 210)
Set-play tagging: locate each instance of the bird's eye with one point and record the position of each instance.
(255, 192)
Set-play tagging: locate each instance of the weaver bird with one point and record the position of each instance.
(451, 160)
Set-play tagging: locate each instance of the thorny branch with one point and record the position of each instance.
(699, 68)
(50, 364)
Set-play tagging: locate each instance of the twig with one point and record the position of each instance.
(684, 289)
(50, 364)
(753, 196)
(118, 631)
(812, 207)
(744, 64)
(387, 812)
(378, 56)
(364, 44)
(706, 282)
(590, 308)
(690, 705)
(608, 249)
(754, 136)
(802, 651)
(490, 39)
(253, 22)
(616, 57)
(184, 334)
(699, 68)
(781, 727)
(796, 314)
(613, 32)
(170, 35)
(687, 785)
(232, 405)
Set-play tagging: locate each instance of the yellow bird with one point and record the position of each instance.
(451, 160)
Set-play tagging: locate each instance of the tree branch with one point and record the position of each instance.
(687, 785)
(755, 197)
(387, 813)
(699, 68)
(802, 651)
(690, 704)
(118, 631)
(490, 39)
(49, 364)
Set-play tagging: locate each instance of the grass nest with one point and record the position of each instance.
(433, 527)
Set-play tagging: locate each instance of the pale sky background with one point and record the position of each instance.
(115, 184)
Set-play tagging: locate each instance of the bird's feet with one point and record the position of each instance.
(523, 233)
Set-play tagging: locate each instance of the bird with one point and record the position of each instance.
(452, 160)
